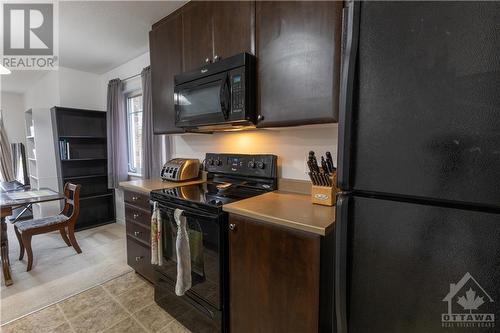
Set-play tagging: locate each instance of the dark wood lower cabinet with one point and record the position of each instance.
(138, 227)
(139, 258)
(275, 279)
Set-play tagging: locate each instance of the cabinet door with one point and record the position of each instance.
(274, 278)
(165, 42)
(197, 29)
(234, 27)
(298, 47)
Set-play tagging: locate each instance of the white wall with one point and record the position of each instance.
(66, 87)
(44, 93)
(79, 89)
(291, 145)
(12, 106)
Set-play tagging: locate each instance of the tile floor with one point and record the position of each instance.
(122, 305)
(58, 271)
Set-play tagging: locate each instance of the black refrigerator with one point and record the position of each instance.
(418, 218)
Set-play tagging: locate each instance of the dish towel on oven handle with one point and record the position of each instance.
(183, 282)
(156, 244)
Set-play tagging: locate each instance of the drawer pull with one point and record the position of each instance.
(134, 198)
(137, 233)
(136, 216)
(138, 258)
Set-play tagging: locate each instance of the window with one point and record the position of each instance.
(134, 133)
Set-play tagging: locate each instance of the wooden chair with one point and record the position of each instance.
(64, 222)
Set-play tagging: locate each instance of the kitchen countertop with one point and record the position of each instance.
(286, 209)
(148, 185)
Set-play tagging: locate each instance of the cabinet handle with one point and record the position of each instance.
(136, 216)
(207, 60)
(232, 226)
(138, 258)
(216, 58)
(137, 233)
(260, 117)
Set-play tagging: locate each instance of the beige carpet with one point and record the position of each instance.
(58, 271)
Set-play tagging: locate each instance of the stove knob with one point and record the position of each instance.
(251, 164)
(260, 165)
(215, 202)
(211, 161)
(218, 162)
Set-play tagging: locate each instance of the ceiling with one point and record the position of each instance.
(97, 36)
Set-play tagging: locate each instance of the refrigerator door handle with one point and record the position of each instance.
(349, 54)
(341, 224)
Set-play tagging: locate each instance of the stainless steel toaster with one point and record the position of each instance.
(180, 169)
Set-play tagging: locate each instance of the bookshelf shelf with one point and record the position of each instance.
(82, 137)
(83, 159)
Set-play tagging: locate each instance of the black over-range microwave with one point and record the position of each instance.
(218, 96)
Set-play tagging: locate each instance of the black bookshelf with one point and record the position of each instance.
(80, 138)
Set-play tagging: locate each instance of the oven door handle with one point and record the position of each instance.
(225, 97)
(187, 211)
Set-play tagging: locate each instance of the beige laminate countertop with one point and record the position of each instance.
(148, 185)
(286, 209)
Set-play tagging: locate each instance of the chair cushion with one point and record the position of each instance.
(43, 222)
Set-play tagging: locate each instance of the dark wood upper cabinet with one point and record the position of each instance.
(297, 44)
(213, 30)
(197, 34)
(298, 51)
(274, 276)
(234, 27)
(165, 43)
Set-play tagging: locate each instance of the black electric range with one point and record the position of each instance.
(211, 195)
(231, 177)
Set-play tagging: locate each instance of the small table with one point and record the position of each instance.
(9, 200)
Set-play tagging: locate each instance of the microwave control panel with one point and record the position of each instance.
(237, 91)
(242, 164)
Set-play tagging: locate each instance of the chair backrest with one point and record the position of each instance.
(71, 201)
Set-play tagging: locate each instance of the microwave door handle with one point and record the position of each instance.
(225, 97)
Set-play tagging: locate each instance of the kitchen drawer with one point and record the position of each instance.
(139, 258)
(137, 199)
(139, 232)
(137, 215)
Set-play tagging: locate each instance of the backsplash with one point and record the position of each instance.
(290, 144)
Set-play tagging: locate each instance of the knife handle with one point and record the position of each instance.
(324, 165)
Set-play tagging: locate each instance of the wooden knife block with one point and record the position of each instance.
(325, 195)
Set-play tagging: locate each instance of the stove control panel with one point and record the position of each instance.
(264, 166)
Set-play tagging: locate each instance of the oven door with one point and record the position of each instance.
(204, 231)
(205, 101)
